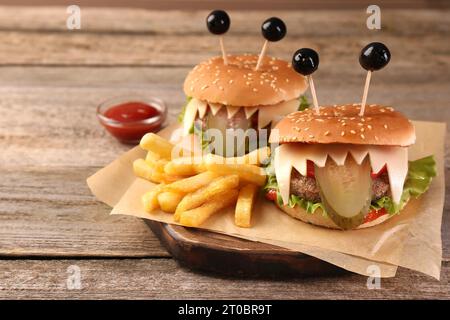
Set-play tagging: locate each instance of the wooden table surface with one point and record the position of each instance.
(51, 80)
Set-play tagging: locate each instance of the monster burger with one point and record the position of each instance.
(339, 170)
(235, 96)
(232, 94)
(346, 166)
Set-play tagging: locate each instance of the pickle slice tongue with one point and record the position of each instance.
(346, 191)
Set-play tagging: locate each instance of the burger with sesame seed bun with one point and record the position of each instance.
(337, 169)
(234, 97)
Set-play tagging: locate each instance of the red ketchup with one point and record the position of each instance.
(130, 121)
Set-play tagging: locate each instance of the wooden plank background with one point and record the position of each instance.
(51, 80)
(237, 4)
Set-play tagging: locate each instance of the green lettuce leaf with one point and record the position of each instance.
(303, 103)
(183, 110)
(418, 180)
(204, 141)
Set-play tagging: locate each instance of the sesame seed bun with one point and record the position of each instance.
(238, 84)
(319, 219)
(380, 125)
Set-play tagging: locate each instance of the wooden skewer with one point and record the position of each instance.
(366, 91)
(313, 92)
(224, 54)
(262, 54)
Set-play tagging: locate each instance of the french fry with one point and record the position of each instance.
(200, 196)
(142, 169)
(156, 144)
(191, 184)
(247, 172)
(150, 199)
(157, 165)
(244, 205)
(256, 157)
(187, 166)
(167, 178)
(151, 156)
(168, 201)
(195, 217)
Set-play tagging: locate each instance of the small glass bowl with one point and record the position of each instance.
(132, 132)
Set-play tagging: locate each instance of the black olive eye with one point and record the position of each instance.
(273, 29)
(374, 56)
(305, 61)
(218, 22)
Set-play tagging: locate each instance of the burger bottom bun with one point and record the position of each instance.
(317, 218)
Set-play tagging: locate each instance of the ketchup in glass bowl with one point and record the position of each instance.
(129, 118)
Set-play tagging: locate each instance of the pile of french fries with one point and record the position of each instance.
(193, 188)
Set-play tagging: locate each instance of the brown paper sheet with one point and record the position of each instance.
(411, 239)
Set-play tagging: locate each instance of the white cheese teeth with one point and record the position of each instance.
(266, 114)
(295, 155)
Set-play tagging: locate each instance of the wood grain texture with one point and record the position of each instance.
(52, 79)
(236, 4)
(164, 279)
(138, 37)
(230, 256)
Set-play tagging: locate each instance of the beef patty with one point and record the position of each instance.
(307, 188)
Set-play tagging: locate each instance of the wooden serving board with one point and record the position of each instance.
(213, 252)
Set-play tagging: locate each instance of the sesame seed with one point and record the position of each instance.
(352, 131)
(311, 136)
(220, 88)
(319, 120)
(192, 88)
(342, 133)
(215, 81)
(360, 124)
(343, 124)
(204, 87)
(297, 129)
(327, 133)
(382, 110)
(255, 90)
(247, 83)
(376, 138)
(306, 129)
(287, 79)
(362, 136)
(362, 130)
(369, 127)
(231, 81)
(261, 82)
(385, 126)
(229, 71)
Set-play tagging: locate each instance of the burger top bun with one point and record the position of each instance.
(238, 84)
(380, 125)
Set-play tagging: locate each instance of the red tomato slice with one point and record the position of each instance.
(271, 195)
(310, 169)
(374, 214)
(374, 175)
